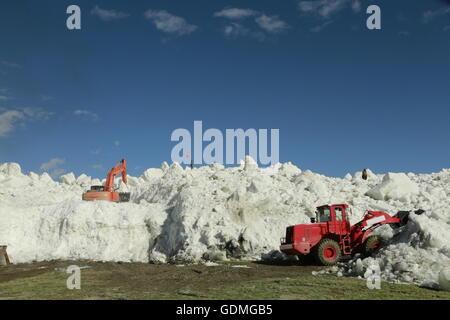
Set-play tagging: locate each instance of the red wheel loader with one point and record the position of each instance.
(329, 236)
(107, 191)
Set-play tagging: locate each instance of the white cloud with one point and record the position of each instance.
(235, 29)
(87, 114)
(432, 14)
(8, 119)
(97, 166)
(57, 173)
(52, 163)
(326, 8)
(4, 98)
(235, 13)
(117, 143)
(96, 151)
(271, 24)
(108, 15)
(169, 23)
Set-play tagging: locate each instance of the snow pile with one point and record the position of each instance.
(215, 213)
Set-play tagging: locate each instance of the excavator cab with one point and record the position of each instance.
(97, 188)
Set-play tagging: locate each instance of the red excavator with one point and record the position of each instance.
(329, 235)
(107, 192)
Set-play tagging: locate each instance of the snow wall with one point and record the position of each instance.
(217, 213)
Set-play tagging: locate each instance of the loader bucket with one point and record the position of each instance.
(404, 216)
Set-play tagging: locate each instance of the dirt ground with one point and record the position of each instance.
(142, 276)
(230, 280)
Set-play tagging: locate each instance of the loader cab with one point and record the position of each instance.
(335, 217)
(333, 213)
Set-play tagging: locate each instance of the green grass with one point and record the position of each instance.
(323, 287)
(101, 284)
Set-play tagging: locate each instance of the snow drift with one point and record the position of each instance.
(215, 213)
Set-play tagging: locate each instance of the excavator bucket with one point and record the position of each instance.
(404, 216)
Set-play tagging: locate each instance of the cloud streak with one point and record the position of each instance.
(235, 13)
(271, 24)
(169, 23)
(51, 167)
(10, 64)
(327, 8)
(108, 15)
(430, 15)
(10, 119)
(86, 114)
(52, 163)
(237, 26)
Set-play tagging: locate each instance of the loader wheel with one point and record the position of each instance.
(328, 252)
(371, 245)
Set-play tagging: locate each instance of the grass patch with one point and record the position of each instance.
(146, 281)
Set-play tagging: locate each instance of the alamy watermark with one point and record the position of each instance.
(74, 280)
(228, 148)
(373, 277)
(73, 21)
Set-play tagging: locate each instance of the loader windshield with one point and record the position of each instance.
(323, 214)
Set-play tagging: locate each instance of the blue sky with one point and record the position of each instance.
(344, 97)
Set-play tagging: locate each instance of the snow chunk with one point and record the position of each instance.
(11, 169)
(164, 166)
(395, 186)
(444, 279)
(152, 174)
(68, 178)
(250, 163)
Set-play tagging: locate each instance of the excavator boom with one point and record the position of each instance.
(119, 168)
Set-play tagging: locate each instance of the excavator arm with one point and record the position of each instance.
(119, 168)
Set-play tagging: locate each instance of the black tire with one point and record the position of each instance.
(327, 252)
(371, 245)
